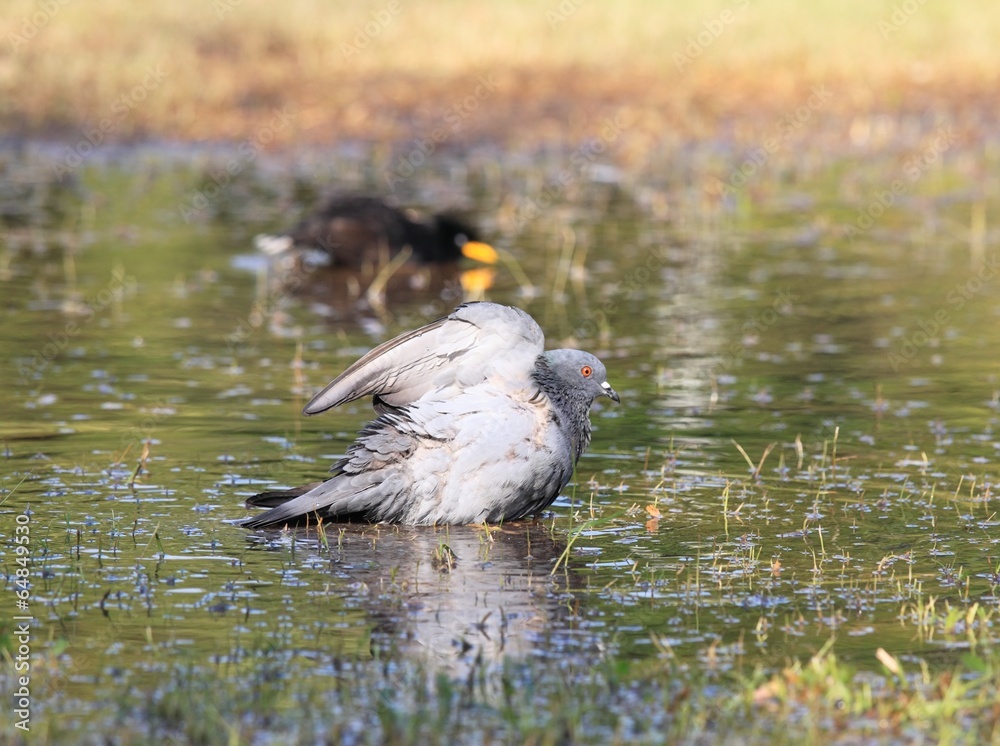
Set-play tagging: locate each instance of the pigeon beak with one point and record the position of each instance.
(610, 392)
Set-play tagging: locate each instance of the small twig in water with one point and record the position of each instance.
(139, 466)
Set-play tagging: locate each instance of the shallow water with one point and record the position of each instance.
(855, 365)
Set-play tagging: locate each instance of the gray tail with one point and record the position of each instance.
(305, 505)
(274, 498)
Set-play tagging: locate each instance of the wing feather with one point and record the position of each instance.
(471, 344)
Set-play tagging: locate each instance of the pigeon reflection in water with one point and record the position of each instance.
(466, 592)
(456, 597)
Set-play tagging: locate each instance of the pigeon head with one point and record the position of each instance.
(572, 380)
(573, 375)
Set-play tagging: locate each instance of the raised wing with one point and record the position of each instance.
(475, 342)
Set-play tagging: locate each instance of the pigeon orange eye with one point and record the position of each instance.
(586, 371)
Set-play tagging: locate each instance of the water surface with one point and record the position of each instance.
(852, 361)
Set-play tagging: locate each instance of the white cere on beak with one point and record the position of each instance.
(610, 392)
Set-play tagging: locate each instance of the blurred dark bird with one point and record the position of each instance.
(366, 232)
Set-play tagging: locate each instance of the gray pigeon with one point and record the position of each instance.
(476, 423)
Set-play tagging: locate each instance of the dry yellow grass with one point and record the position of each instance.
(520, 71)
